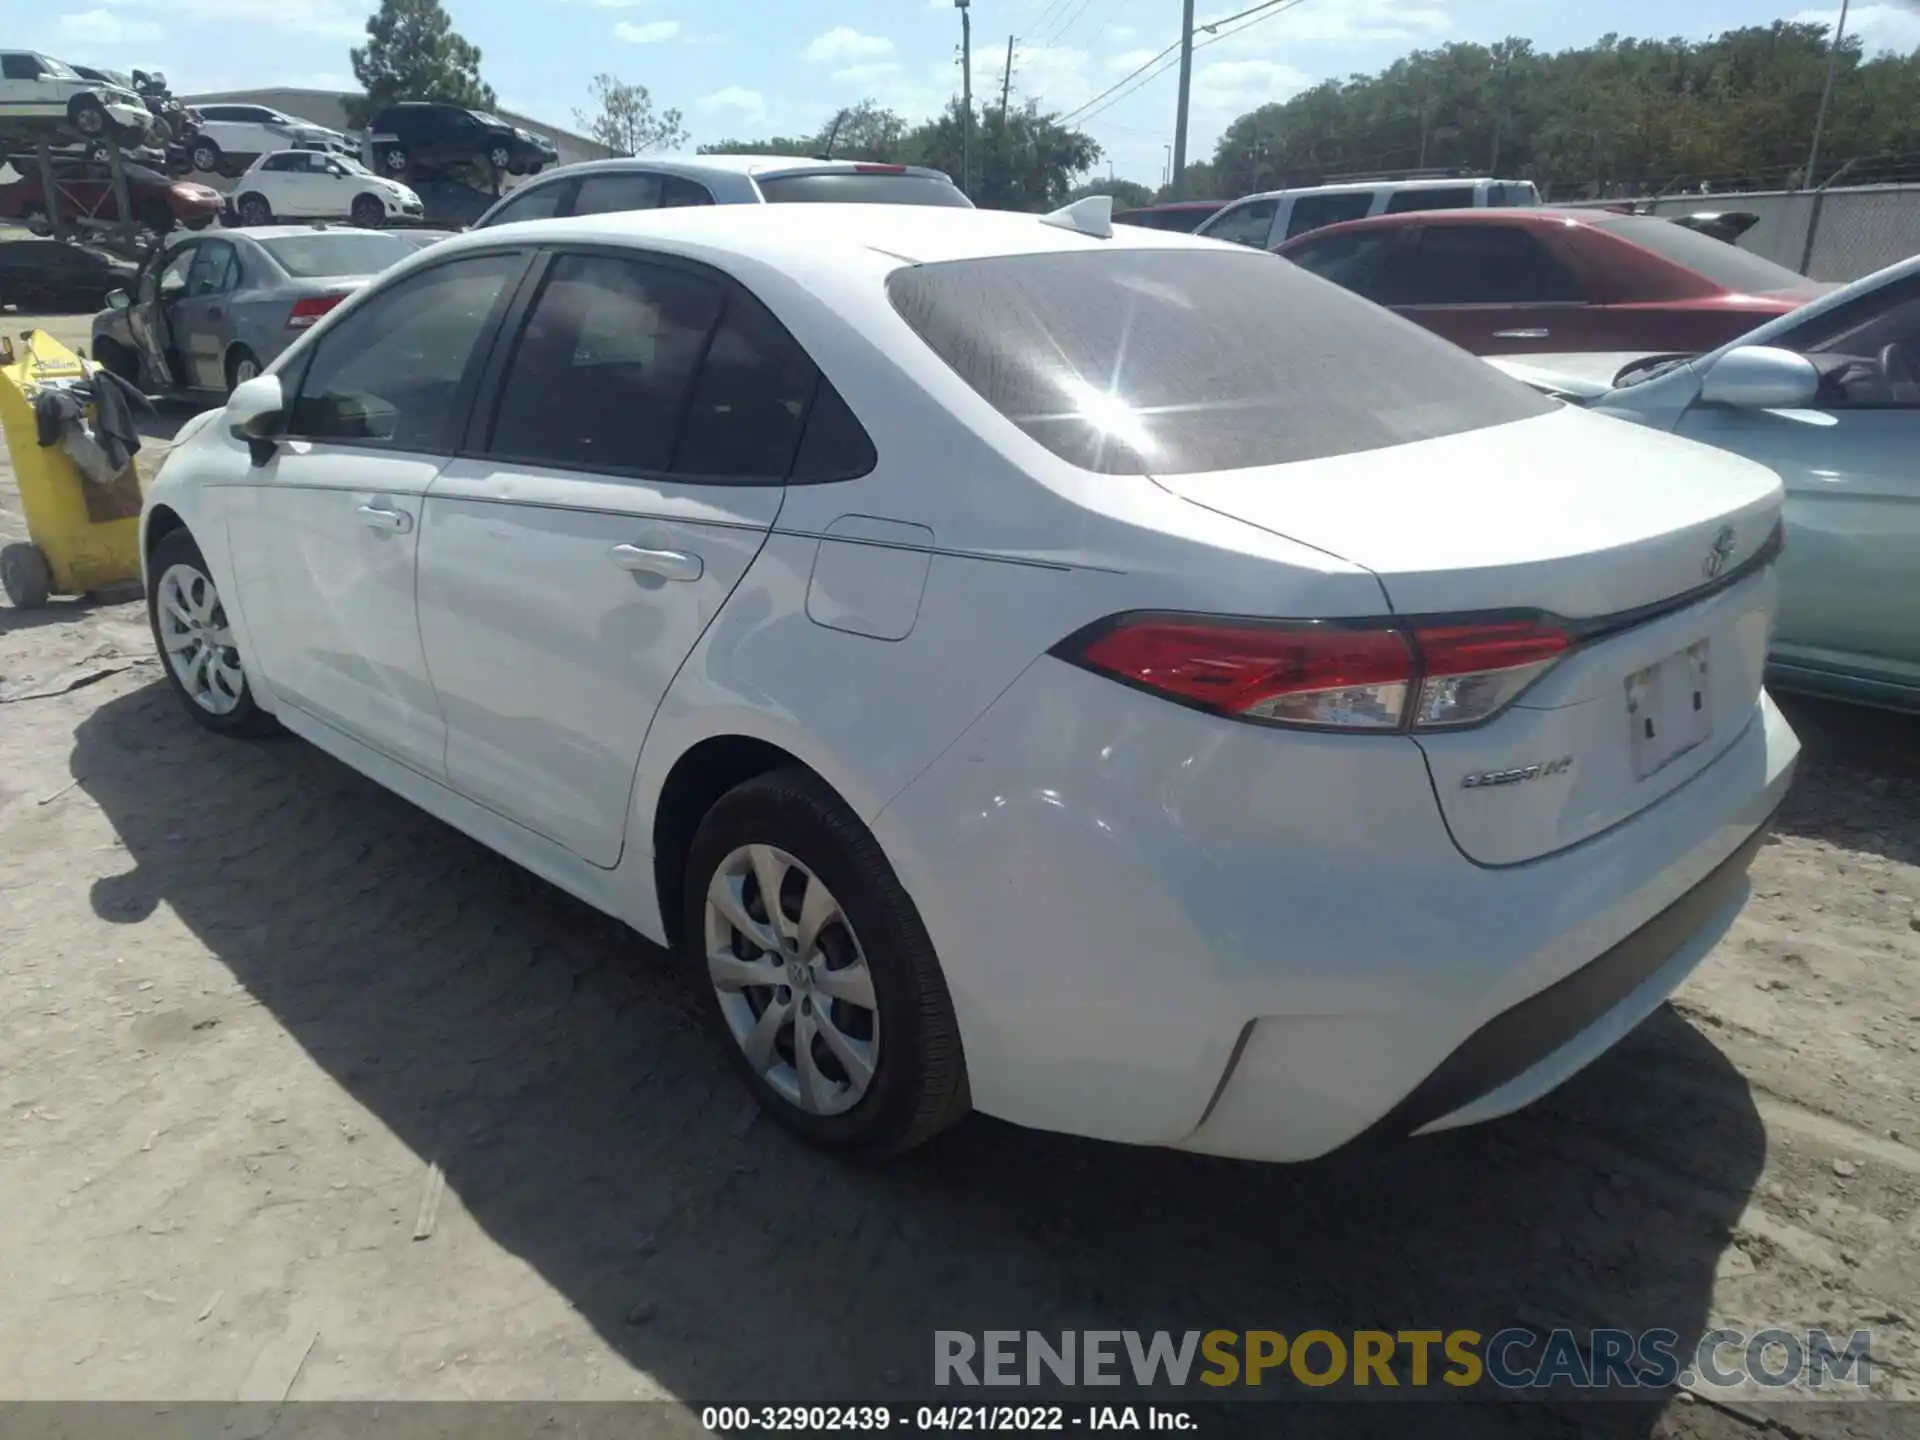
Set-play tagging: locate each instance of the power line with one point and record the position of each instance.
(1169, 57)
(1067, 21)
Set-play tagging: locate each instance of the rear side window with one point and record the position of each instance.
(853, 187)
(606, 194)
(1727, 266)
(749, 402)
(1145, 361)
(1476, 265)
(599, 378)
(1248, 224)
(835, 446)
(677, 193)
(1452, 197)
(1310, 212)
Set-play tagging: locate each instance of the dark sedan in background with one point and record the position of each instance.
(1508, 282)
(209, 311)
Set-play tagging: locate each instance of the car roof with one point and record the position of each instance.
(1340, 187)
(1535, 216)
(693, 166)
(779, 236)
(1173, 205)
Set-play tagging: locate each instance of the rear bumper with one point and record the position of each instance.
(1163, 928)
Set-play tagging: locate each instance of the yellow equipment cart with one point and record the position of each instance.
(85, 537)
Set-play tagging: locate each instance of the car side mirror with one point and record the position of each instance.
(119, 300)
(1761, 377)
(256, 414)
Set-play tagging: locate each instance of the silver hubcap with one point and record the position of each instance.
(792, 979)
(198, 643)
(244, 370)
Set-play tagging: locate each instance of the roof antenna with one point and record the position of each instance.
(826, 152)
(1091, 216)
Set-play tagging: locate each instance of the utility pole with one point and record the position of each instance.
(1006, 84)
(966, 94)
(1826, 97)
(1179, 161)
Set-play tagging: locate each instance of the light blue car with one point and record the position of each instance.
(1829, 398)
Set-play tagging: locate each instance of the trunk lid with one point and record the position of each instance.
(1635, 538)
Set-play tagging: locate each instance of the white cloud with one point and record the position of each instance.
(1056, 74)
(1880, 27)
(651, 33)
(1242, 85)
(1420, 21)
(866, 74)
(843, 42)
(103, 27)
(1127, 63)
(331, 19)
(748, 104)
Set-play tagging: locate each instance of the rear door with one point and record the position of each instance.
(202, 319)
(1492, 289)
(634, 457)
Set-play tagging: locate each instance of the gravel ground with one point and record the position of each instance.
(305, 1095)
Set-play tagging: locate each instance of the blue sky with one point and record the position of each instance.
(747, 67)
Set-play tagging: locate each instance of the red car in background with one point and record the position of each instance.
(1184, 216)
(1509, 282)
(85, 189)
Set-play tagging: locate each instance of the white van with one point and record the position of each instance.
(1263, 221)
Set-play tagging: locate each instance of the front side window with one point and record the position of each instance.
(1310, 212)
(1248, 224)
(600, 375)
(389, 374)
(213, 261)
(173, 274)
(19, 67)
(285, 161)
(540, 202)
(1356, 261)
(1168, 362)
(1868, 350)
(609, 194)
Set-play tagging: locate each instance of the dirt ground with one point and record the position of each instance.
(303, 1094)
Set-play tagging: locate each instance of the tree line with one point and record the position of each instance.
(1618, 116)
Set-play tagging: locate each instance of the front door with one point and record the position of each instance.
(201, 320)
(633, 463)
(161, 283)
(325, 535)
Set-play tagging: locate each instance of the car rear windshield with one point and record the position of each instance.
(1136, 361)
(852, 187)
(315, 256)
(1727, 266)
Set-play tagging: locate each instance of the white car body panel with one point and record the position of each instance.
(1157, 925)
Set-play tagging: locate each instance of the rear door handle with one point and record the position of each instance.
(394, 522)
(1520, 334)
(667, 564)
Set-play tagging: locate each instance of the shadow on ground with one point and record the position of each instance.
(559, 1070)
(1859, 780)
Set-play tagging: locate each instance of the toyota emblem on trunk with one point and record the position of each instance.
(1721, 552)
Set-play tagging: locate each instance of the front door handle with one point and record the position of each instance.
(394, 522)
(667, 564)
(1520, 334)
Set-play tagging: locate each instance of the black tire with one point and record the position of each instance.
(25, 576)
(176, 548)
(500, 157)
(252, 209)
(517, 168)
(87, 115)
(117, 359)
(205, 155)
(394, 160)
(242, 365)
(367, 211)
(919, 1084)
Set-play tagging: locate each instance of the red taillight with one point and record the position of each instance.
(306, 312)
(1324, 674)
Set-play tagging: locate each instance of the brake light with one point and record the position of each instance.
(1325, 674)
(306, 312)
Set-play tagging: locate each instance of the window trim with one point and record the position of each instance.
(486, 343)
(484, 412)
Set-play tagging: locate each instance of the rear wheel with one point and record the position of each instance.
(394, 159)
(822, 977)
(253, 209)
(367, 210)
(205, 155)
(242, 366)
(87, 115)
(196, 642)
(500, 157)
(25, 576)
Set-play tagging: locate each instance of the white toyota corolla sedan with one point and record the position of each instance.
(1114, 681)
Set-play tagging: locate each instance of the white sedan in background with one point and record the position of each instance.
(315, 185)
(1098, 677)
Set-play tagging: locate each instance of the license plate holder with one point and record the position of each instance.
(1669, 709)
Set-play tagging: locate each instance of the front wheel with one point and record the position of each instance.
(367, 211)
(205, 156)
(196, 641)
(395, 160)
(253, 209)
(88, 116)
(499, 157)
(822, 976)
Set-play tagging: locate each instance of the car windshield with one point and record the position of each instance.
(1728, 266)
(351, 165)
(486, 119)
(339, 253)
(1142, 360)
(856, 187)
